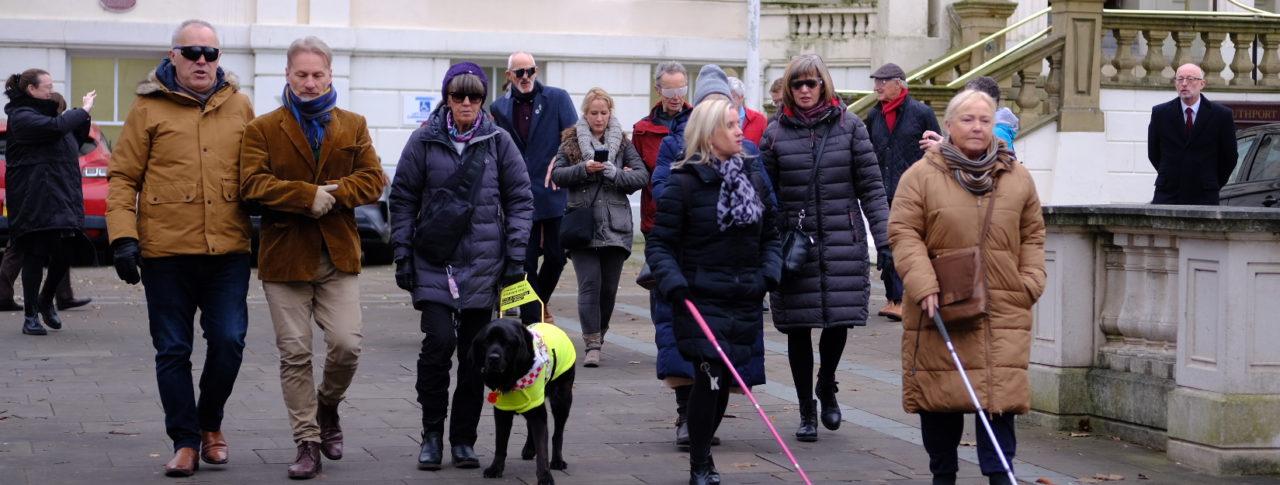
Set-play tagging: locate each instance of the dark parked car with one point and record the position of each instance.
(1256, 179)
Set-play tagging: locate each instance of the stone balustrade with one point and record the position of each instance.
(1158, 325)
(854, 21)
(1142, 39)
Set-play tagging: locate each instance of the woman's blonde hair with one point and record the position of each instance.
(964, 97)
(707, 117)
(808, 64)
(594, 94)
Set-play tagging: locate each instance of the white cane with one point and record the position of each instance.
(982, 414)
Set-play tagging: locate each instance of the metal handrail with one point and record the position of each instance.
(954, 56)
(1183, 13)
(1251, 9)
(962, 80)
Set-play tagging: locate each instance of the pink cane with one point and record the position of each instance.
(712, 337)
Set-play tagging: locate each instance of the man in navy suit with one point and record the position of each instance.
(1191, 142)
(535, 115)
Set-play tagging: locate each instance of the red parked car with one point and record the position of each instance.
(94, 156)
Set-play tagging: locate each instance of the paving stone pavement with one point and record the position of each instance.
(80, 406)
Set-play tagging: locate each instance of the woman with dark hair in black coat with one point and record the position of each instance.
(715, 243)
(46, 205)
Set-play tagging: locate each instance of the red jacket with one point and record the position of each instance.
(753, 126)
(647, 137)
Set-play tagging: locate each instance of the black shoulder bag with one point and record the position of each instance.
(446, 216)
(797, 245)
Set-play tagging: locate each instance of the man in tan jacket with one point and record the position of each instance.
(311, 164)
(173, 211)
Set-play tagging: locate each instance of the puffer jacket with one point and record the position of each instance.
(832, 288)
(175, 171)
(612, 209)
(726, 272)
(499, 226)
(933, 215)
(898, 149)
(42, 166)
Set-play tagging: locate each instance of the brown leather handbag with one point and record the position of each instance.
(962, 279)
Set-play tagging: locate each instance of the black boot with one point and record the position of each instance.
(714, 476)
(432, 450)
(808, 430)
(944, 479)
(50, 316)
(464, 456)
(826, 392)
(682, 423)
(700, 472)
(31, 326)
(998, 479)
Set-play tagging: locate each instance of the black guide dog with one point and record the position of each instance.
(504, 351)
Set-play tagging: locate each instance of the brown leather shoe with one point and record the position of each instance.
(893, 311)
(330, 431)
(213, 448)
(183, 464)
(307, 465)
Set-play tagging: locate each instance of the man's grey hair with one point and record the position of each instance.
(668, 67)
(512, 58)
(737, 87)
(187, 23)
(310, 44)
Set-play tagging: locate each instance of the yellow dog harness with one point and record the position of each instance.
(551, 347)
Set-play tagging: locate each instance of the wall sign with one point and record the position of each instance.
(417, 107)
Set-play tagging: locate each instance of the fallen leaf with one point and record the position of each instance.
(734, 405)
(634, 362)
(1108, 477)
(154, 455)
(1142, 477)
(744, 465)
(122, 433)
(1046, 481)
(1080, 435)
(968, 443)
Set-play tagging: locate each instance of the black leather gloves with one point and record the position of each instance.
(679, 295)
(127, 258)
(513, 272)
(404, 273)
(884, 259)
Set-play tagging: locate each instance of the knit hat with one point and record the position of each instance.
(711, 80)
(464, 68)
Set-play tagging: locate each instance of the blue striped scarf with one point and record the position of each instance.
(313, 115)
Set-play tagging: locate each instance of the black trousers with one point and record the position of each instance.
(544, 241)
(706, 406)
(40, 250)
(447, 330)
(941, 434)
(11, 267)
(800, 356)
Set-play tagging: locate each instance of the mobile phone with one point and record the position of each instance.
(602, 155)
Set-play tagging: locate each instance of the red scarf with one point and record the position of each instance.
(890, 109)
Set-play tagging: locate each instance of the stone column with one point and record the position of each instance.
(976, 19)
(1080, 22)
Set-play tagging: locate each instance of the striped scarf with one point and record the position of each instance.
(313, 115)
(738, 204)
(975, 175)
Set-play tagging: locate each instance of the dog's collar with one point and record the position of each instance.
(541, 357)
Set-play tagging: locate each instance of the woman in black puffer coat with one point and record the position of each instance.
(46, 205)
(831, 291)
(715, 243)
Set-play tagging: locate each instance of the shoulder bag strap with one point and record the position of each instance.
(813, 173)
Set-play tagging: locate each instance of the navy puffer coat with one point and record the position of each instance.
(499, 227)
(832, 289)
(726, 272)
(896, 150)
(43, 166)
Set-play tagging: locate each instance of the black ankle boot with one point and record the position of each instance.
(31, 326)
(944, 479)
(682, 432)
(464, 456)
(432, 449)
(998, 479)
(713, 477)
(808, 430)
(826, 392)
(50, 315)
(700, 472)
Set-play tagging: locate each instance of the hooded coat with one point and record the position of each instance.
(499, 226)
(42, 163)
(175, 170)
(933, 215)
(832, 289)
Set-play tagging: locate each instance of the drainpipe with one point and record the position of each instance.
(753, 75)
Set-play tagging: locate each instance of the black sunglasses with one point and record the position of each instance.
(458, 97)
(522, 71)
(193, 52)
(807, 83)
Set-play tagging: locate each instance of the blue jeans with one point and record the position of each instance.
(176, 287)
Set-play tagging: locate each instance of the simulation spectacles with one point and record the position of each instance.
(806, 83)
(459, 97)
(679, 92)
(193, 52)
(520, 73)
(883, 81)
(1182, 79)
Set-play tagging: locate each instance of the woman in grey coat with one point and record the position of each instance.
(831, 291)
(456, 288)
(603, 187)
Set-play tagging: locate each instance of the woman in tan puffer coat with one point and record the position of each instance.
(940, 206)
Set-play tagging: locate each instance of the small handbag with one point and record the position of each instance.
(797, 245)
(962, 279)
